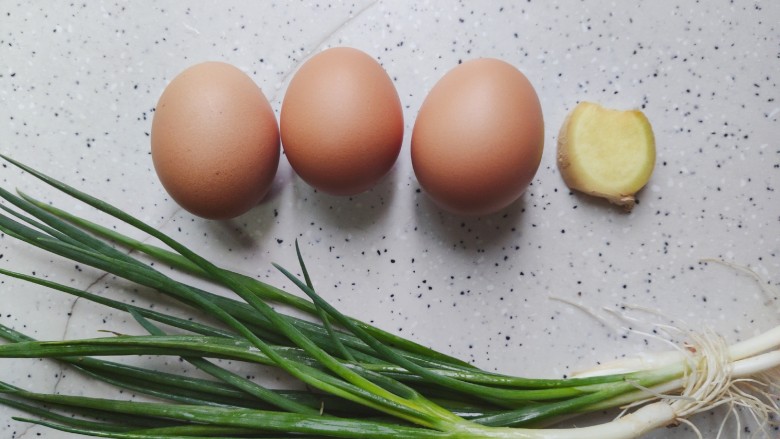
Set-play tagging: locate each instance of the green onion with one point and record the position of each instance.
(360, 381)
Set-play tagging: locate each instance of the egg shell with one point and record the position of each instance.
(215, 141)
(478, 138)
(341, 122)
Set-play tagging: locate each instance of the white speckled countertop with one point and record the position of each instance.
(78, 86)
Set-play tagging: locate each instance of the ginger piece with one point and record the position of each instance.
(606, 153)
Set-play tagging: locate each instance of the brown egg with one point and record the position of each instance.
(341, 122)
(478, 138)
(215, 141)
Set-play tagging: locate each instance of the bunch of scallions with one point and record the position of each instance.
(360, 381)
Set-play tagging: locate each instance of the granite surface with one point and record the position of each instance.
(78, 86)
